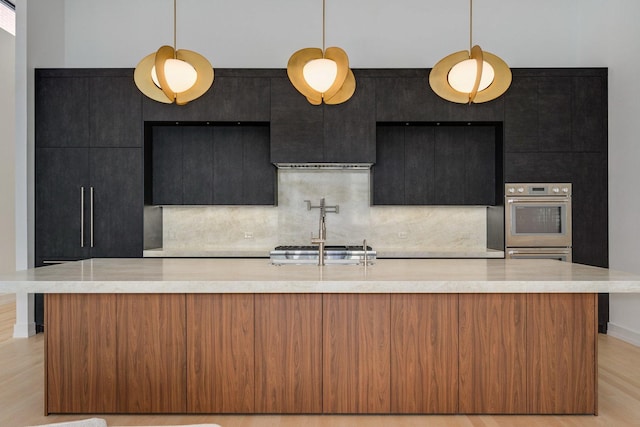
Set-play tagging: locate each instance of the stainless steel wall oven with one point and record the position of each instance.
(538, 220)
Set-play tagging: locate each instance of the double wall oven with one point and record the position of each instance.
(538, 221)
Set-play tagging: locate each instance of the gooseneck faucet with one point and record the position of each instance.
(322, 226)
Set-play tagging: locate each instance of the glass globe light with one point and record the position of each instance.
(462, 76)
(320, 74)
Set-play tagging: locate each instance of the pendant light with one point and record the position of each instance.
(470, 76)
(170, 75)
(322, 75)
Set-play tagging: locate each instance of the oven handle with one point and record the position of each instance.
(562, 199)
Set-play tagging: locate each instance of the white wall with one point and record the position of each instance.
(7, 152)
(375, 34)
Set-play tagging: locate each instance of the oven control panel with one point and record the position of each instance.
(541, 189)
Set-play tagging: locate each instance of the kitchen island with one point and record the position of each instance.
(243, 336)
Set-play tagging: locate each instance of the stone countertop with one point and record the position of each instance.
(206, 275)
(381, 253)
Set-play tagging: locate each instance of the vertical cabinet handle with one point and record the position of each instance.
(82, 217)
(91, 217)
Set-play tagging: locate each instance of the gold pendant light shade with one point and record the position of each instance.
(322, 74)
(169, 78)
(338, 91)
(171, 75)
(484, 78)
(471, 76)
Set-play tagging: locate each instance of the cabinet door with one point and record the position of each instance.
(166, 164)
(230, 99)
(420, 167)
(356, 347)
(481, 172)
(61, 198)
(62, 111)
(116, 112)
(81, 353)
(258, 174)
(424, 354)
(554, 113)
(220, 353)
(388, 183)
(151, 364)
(197, 164)
(288, 353)
(350, 127)
(450, 159)
(562, 337)
(297, 127)
(116, 223)
(228, 165)
(492, 346)
(589, 114)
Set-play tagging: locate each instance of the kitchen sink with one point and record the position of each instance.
(333, 254)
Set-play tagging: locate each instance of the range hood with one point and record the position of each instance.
(324, 166)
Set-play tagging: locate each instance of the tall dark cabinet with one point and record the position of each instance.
(89, 167)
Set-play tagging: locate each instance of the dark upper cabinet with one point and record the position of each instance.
(301, 132)
(435, 165)
(556, 111)
(87, 108)
(589, 113)
(115, 112)
(204, 165)
(349, 128)
(231, 98)
(410, 98)
(297, 127)
(61, 111)
(88, 203)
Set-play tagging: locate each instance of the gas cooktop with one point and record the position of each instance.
(333, 254)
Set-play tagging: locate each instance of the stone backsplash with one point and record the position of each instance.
(407, 228)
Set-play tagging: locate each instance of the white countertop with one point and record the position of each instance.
(381, 253)
(204, 275)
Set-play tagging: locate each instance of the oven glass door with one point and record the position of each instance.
(538, 222)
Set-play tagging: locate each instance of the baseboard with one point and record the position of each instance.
(24, 330)
(627, 335)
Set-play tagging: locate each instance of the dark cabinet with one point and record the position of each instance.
(88, 166)
(556, 111)
(204, 165)
(435, 165)
(301, 132)
(88, 203)
(236, 95)
(88, 179)
(87, 108)
(405, 95)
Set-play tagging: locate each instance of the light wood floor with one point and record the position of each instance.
(22, 383)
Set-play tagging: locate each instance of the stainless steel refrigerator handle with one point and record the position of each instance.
(91, 217)
(82, 217)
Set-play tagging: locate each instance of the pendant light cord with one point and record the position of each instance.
(470, 25)
(174, 29)
(323, 25)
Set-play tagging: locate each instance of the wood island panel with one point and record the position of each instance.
(424, 353)
(356, 361)
(289, 344)
(151, 353)
(492, 354)
(80, 361)
(562, 347)
(220, 348)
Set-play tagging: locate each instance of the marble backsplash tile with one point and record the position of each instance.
(419, 228)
